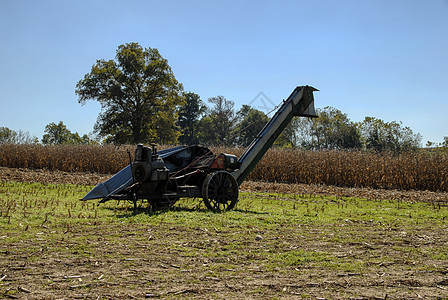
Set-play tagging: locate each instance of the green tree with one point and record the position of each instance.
(59, 134)
(138, 93)
(445, 142)
(334, 130)
(250, 123)
(219, 123)
(7, 136)
(205, 132)
(382, 136)
(189, 117)
(297, 134)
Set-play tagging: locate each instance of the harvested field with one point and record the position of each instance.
(281, 242)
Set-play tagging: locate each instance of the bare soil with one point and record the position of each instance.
(135, 262)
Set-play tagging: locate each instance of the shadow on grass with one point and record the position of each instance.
(126, 212)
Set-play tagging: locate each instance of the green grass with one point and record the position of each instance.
(268, 235)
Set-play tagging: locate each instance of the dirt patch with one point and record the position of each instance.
(136, 262)
(363, 193)
(44, 176)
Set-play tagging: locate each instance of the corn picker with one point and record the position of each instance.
(163, 177)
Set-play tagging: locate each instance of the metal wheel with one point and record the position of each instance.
(220, 191)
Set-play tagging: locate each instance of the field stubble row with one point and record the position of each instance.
(407, 171)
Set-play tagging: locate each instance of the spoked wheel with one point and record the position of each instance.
(220, 191)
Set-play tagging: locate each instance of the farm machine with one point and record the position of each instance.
(163, 177)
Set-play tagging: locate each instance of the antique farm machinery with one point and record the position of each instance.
(163, 177)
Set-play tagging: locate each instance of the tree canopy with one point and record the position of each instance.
(217, 125)
(250, 122)
(9, 136)
(189, 116)
(59, 134)
(388, 136)
(334, 130)
(138, 93)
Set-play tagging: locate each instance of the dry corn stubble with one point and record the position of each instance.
(407, 171)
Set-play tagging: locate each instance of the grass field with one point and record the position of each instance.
(273, 246)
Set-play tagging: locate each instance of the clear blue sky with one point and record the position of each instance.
(385, 59)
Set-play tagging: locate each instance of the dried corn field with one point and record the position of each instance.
(409, 171)
(80, 158)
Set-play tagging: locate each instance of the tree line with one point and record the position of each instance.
(221, 124)
(333, 130)
(142, 102)
(55, 134)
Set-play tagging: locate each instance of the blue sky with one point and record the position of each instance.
(378, 58)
